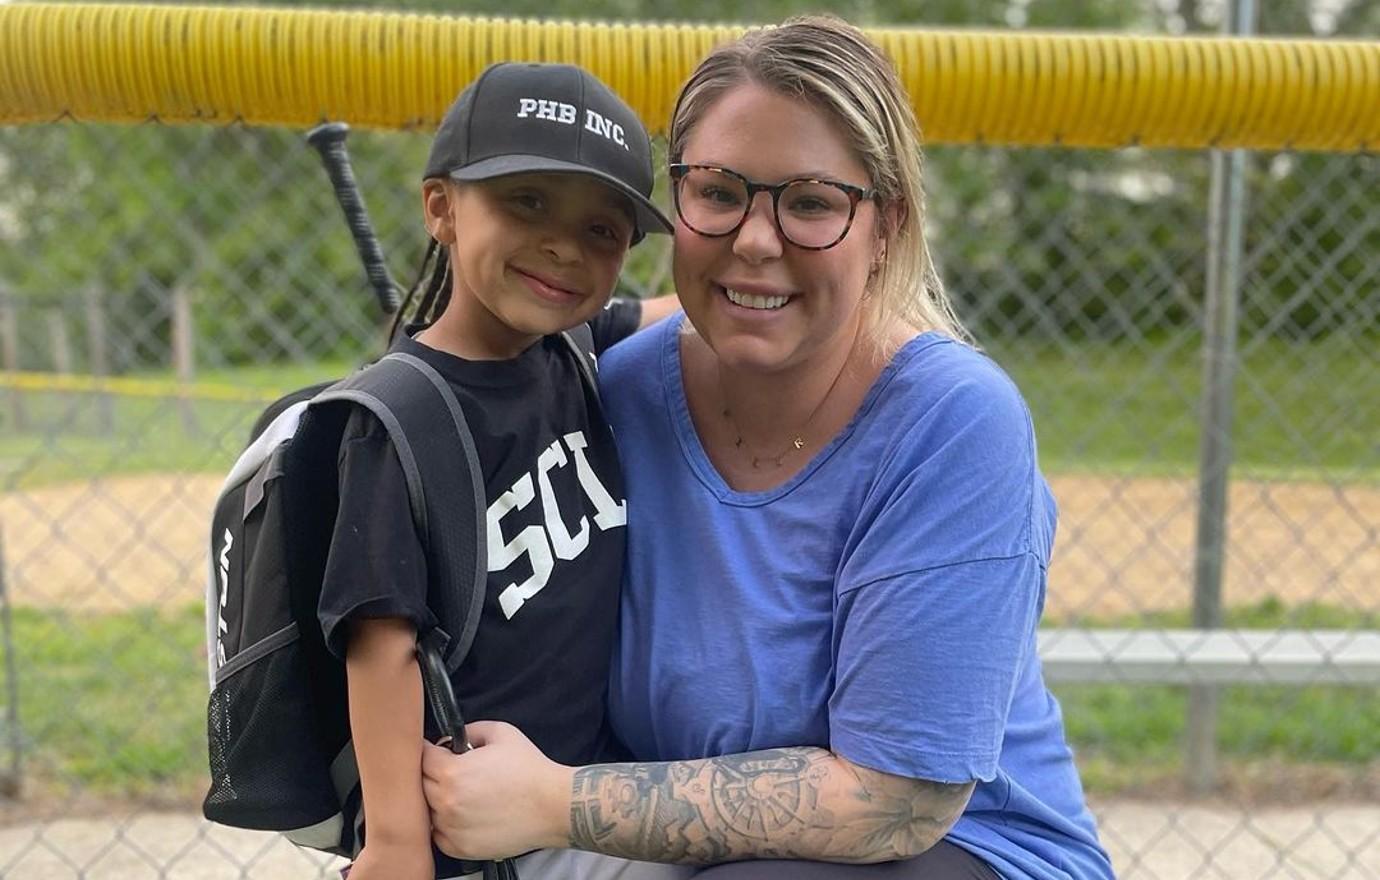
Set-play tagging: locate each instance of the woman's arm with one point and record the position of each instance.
(803, 803)
(794, 803)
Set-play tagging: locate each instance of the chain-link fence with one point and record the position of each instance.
(158, 285)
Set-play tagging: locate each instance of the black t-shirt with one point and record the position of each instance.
(556, 516)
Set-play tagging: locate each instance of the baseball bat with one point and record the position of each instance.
(329, 141)
(445, 708)
(440, 696)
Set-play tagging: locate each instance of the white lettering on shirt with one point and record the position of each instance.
(543, 544)
(566, 546)
(530, 542)
(608, 513)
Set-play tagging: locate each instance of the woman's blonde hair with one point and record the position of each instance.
(832, 65)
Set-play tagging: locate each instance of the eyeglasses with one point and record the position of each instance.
(811, 213)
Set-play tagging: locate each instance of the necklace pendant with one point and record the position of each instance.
(798, 443)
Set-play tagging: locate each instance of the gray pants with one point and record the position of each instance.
(574, 864)
(943, 861)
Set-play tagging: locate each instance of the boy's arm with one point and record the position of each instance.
(624, 316)
(385, 692)
(656, 308)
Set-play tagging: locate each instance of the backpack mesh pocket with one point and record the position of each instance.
(268, 767)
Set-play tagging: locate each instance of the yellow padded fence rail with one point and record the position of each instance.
(132, 63)
(56, 383)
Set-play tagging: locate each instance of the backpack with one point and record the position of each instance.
(277, 718)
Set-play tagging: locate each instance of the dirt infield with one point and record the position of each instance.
(1124, 544)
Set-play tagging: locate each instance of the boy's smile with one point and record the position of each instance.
(549, 287)
(530, 255)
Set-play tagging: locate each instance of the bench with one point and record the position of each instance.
(1216, 656)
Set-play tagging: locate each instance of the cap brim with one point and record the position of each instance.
(646, 214)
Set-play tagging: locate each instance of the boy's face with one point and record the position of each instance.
(531, 254)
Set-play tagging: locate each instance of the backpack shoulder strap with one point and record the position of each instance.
(426, 425)
(580, 338)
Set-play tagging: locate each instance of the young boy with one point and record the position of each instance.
(538, 182)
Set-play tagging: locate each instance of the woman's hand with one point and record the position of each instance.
(501, 799)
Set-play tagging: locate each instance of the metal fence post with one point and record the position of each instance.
(11, 772)
(97, 356)
(60, 342)
(184, 357)
(1226, 222)
(9, 358)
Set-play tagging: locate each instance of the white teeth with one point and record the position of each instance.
(749, 301)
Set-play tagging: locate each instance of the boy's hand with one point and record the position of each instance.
(501, 799)
(382, 861)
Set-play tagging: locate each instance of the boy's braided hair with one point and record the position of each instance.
(435, 295)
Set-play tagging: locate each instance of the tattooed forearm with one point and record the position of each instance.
(904, 816)
(782, 803)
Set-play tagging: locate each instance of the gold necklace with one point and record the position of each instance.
(797, 442)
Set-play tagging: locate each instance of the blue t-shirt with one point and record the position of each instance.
(882, 603)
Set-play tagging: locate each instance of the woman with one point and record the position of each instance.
(839, 536)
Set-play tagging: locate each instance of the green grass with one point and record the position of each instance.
(1303, 412)
(67, 437)
(114, 705)
(1268, 613)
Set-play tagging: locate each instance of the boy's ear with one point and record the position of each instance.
(436, 210)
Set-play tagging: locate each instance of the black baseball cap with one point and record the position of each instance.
(520, 117)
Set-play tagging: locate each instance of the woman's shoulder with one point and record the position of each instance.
(951, 425)
(938, 381)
